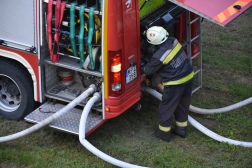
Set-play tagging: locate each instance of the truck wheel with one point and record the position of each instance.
(137, 106)
(16, 90)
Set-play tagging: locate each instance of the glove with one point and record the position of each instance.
(155, 79)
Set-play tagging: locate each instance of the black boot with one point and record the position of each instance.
(163, 135)
(181, 131)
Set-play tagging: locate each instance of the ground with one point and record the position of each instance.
(227, 79)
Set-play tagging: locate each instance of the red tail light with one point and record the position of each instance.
(115, 73)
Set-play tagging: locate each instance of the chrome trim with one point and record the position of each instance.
(64, 62)
(103, 85)
(40, 40)
(66, 100)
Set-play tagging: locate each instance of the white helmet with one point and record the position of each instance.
(156, 35)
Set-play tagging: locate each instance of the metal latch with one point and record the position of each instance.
(32, 49)
(2, 42)
(238, 7)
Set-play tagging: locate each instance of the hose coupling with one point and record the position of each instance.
(98, 95)
(93, 86)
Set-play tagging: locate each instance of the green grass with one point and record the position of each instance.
(235, 62)
(227, 79)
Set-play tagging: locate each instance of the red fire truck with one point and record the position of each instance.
(52, 51)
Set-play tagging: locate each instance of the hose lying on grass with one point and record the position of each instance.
(76, 101)
(210, 111)
(200, 127)
(89, 146)
(220, 110)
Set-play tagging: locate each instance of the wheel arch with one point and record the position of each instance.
(25, 63)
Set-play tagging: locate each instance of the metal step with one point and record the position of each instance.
(68, 122)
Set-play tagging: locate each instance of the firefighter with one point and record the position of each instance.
(172, 64)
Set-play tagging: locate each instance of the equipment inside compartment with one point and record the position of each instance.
(165, 16)
(77, 36)
(68, 84)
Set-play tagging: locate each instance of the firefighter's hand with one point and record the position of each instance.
(160, 87)
(142, 70)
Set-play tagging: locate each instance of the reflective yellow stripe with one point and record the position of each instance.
(172, 53)
(165, 129)
(105, 51)
(181, 124)
(183, 80)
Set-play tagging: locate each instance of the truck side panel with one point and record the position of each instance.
(123, 33)
(18, 30)
(18, 23)
(130, 37)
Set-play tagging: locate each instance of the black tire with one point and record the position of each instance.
(12, 70)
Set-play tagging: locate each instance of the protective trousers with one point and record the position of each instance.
(176, 100)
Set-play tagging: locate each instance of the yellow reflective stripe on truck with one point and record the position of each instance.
(105, 65)
(183, 80)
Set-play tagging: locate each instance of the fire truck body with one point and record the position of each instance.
(118, 47)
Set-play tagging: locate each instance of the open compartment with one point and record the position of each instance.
(73, 71)
(74, 33)
(161, 13)
(65, 84)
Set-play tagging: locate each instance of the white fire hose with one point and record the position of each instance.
(220, 110)
(108, 158)
(48, 120)
(89, 146)
(200, 127)
(205, 111)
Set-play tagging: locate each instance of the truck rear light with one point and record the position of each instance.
(116, 87)
(115, 73)
(116, 78)
(116, 68)
(116, 62)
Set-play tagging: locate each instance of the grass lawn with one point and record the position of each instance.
(227, 79)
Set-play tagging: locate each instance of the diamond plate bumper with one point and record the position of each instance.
(68, 122)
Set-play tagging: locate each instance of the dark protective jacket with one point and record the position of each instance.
(171, 63)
